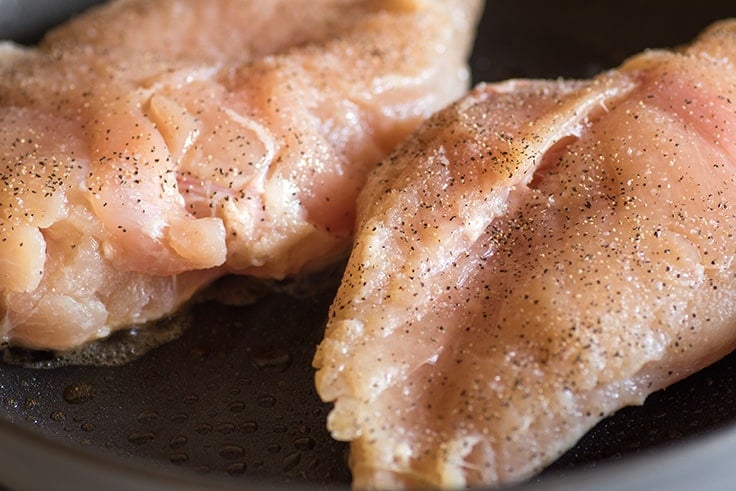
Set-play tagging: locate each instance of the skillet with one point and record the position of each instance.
(230, 403)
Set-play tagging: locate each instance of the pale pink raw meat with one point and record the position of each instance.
(147, 148)
(535, 257)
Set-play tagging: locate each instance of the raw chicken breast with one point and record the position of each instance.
(149, 147)
(532, 259)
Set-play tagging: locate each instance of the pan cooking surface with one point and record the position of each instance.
(233, 396)
(232, 399)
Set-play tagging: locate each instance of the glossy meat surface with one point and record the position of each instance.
(147, 148)
(535, 257)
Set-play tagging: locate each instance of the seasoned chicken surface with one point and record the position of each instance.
(147, 148)
(535, 257)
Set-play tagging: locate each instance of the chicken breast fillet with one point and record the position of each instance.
(147, 148)
(535, 257)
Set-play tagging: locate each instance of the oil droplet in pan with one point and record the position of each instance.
(178, 458)
(266, 401)
(237, 407)
(225, 428)
(277, 360)
(236, 468)
(203, 428)
(230, 451)
(148, 416)
(248, 427)
(79, 393)
(177, 442)
(292, 460)
(141, 437)
(305, 443)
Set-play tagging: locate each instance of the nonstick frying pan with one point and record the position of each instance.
(230, 404)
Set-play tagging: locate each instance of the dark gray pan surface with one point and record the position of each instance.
(231, 402)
